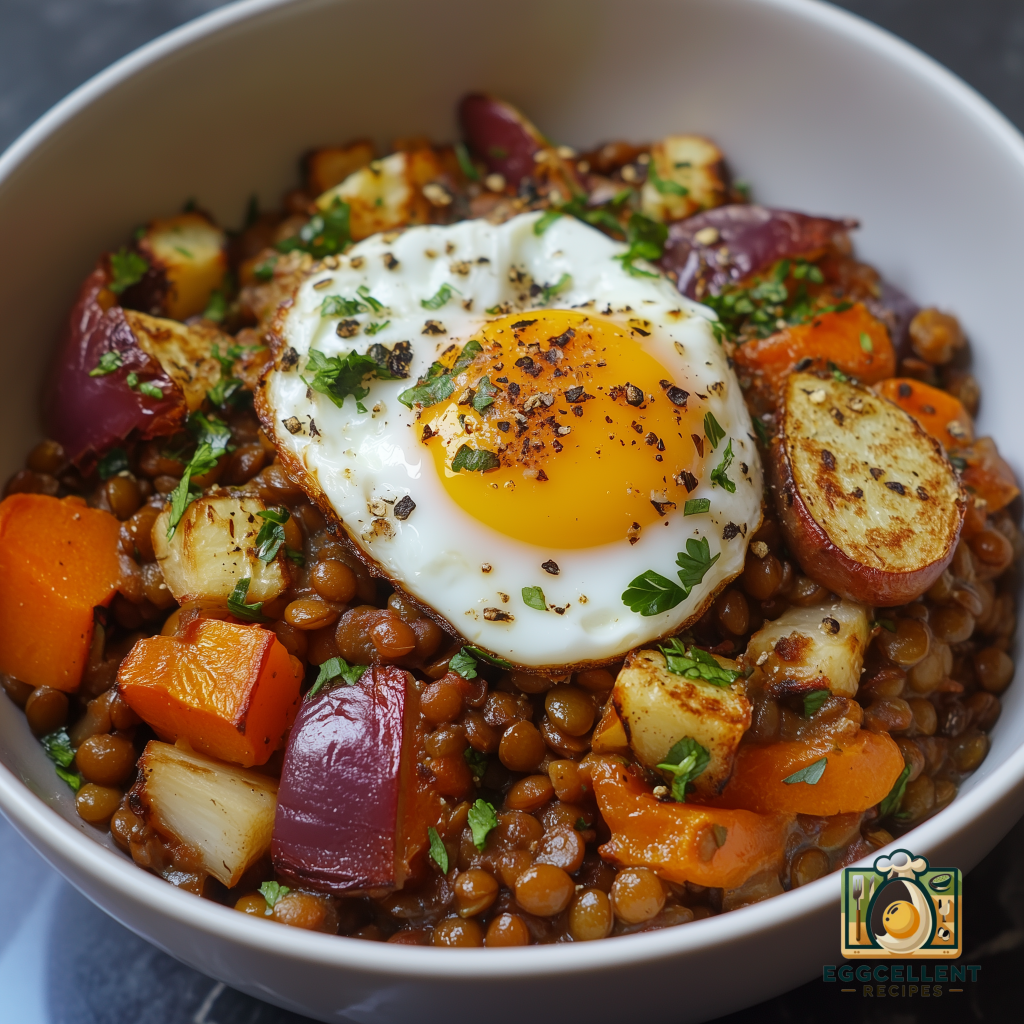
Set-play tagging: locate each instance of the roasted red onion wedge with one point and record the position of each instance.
(500, 136)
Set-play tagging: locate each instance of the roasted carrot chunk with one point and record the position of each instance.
(937, 411)
(684, 842)
(852, 341)
(230, 690)
(859, 772)
(58, 562)
(985, 474)
(610, 735)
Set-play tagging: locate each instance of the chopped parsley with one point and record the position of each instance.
(203, 461)
(476, 460)
(114, 462)
(685, 761)
(811, 774)
(272, 892)
(237, 605)
(646, 241)
(718, 474)
(73, 779)
(865, 342)
(492, 658)
(216, 307)
(886, 624)
(894, 798)
(439, 382)
(761, 430)
(549, 291)
(693, 663)
(482, 820)
(375, 328)
(665, 186)
(438, 853)
(109, 362)
(477, 762)
(601, 216)
(150, 390)
(440, 297)
(210, 430)
(126, 268)
(693, 565)
(271, 536)
(713, 430)
(264, 270)
(336, 668)
(59, 750)
(338, 377)
(533, 597)
(465, 163)
(695, 506)
(485, 392)
(324, 234)
(814, 700)
(463, 664)
(651, 593)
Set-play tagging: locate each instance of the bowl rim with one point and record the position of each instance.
(47, 830)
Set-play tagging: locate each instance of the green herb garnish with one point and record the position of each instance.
(718, 474)
(337, 377)
(492, 658)
(109, 362)
(482, 820)
(336, 668)
(203, 461)
(465, 163)
(886, 624)
(324, 234)
(811, 774)
(895, 795)
(646, 241)
(548, 292)
(865, 342)
(114, 462)
(477, 762)
(216, 307)
(463, 664)
(685, 761)
(696, 506)
(271, 536)
(651, 593)
(439, 382)
(126, 268)
(438, 853)
(476, 460)
(713, 430)
(665, 186)
(693, 663)
(375, 328)
(533, 597)
(693, 565)
(272, 892)
(440, 297)
(237, 605)
(58, 747)
(264, 270)
(814, 700)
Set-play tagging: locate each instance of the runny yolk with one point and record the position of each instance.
(593, 435)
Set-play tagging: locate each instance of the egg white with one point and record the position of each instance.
(363, 463)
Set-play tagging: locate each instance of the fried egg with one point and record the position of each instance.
(561, 423)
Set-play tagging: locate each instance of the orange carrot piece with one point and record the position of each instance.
(987, 475)
(684, 842)
(610, 734)
(941, 415)
(853, 341)
(860, 772)
(231, 690)
(58, 561)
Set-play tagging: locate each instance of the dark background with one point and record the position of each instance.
(98, 973)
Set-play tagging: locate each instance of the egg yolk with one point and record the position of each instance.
(565, 431)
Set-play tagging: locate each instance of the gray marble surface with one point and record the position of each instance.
(62, 961)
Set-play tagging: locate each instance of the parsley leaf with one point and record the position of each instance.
(482, 820)
(476, 460)
(464, 664)
(811, 774)
(651, 593)
(432, 391)
(549, 291)
(695, 506)
(203, 461)
(546, 220)
(214, 432)
(718, 474)
(440, 297)
(272, 892)
(886, 624)
(438, 853)
(814, 700)
(665, 186)
(338, 305)
(491, 658)
(375, 328)
(761, 430)
(112, 463)
(685, 761)
(73, 779)
(58, 747)
(693, 566)
(109, 362)
(865, 342)
(646, 241)
(533, 597)
(216, 307)
(237, 605)
(693, 663)
(477, 762)
(150, 390)
(895, 795)
(271, 535)
(324, 234)
(336, 668)
(465, 163)
(713, 430)
(338, 378)
(485, 392)
(126, 268)
(264, 270)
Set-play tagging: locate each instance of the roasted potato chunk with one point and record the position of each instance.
(685, 175)
(213, 547)
(658, 708)
(331, 165)
(868, 502)
(225, 814)
(805, 647)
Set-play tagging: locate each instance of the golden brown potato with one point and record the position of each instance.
(685, 175)
(869, 503)
(331, 165)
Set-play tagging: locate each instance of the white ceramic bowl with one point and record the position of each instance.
(821, 111)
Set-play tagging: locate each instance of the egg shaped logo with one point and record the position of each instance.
(902, 907)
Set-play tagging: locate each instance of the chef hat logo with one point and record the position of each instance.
(901, 863)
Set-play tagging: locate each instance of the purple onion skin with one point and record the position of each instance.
(500, 136)
(337, 827)
(755, 237)
(89, 415)
(895, 309)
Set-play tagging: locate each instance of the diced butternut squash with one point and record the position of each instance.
(685, 175)
(191, 255)
(224, 814)
(852, 341)
(182, 350)
(860, 771)
(937, 411)
(609, 734)
(813, 646)
(230, 690)
(658, 708)
(684, 842)
(58, 562)
(213, 547)
(986, 475)
(331, 165)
